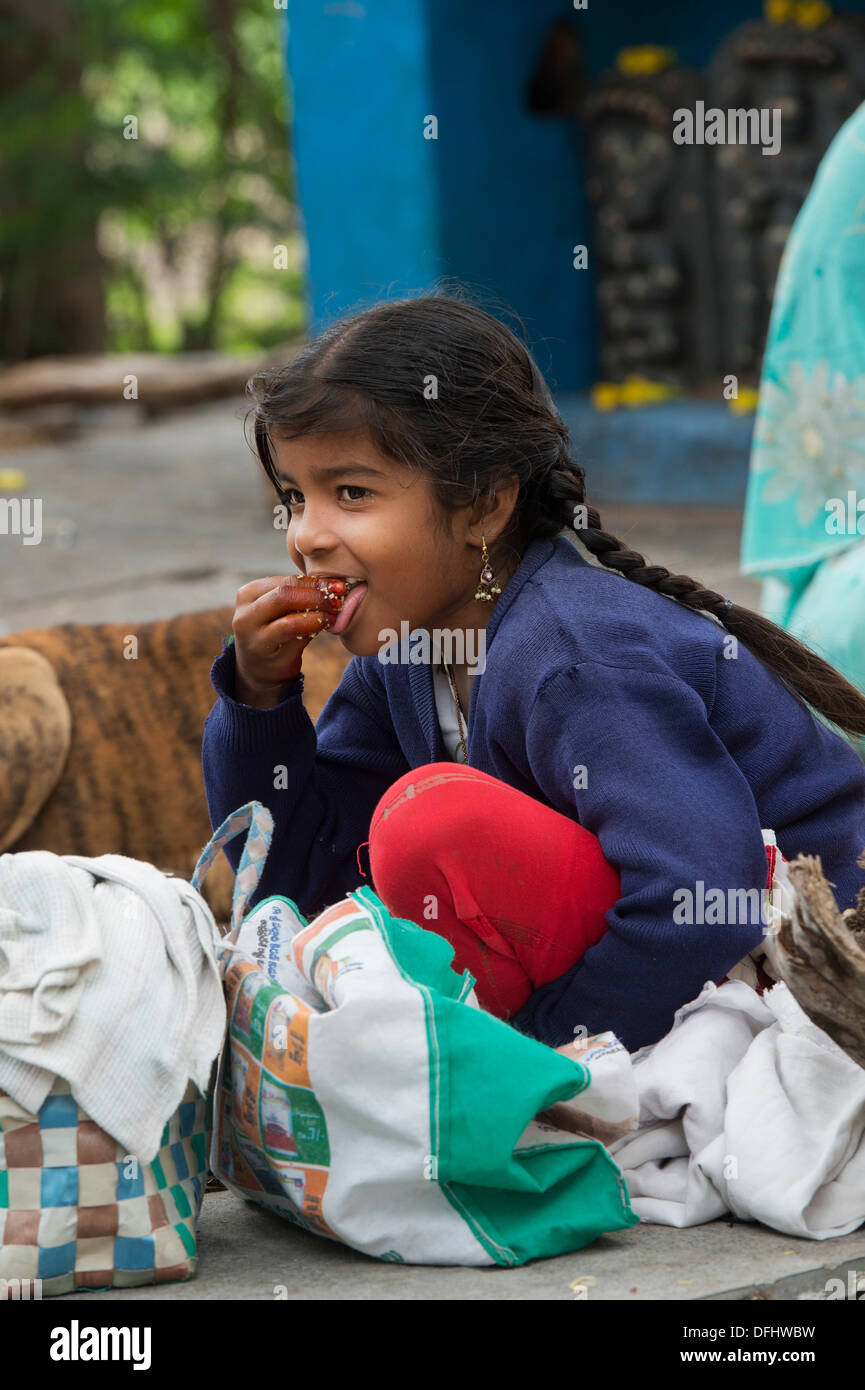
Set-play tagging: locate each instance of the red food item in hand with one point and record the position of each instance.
(334, 589)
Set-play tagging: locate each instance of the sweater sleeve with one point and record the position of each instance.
(670, 807)
(321, 782)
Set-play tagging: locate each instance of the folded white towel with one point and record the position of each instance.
(747, 1107)
(108, 979)
(40, 988)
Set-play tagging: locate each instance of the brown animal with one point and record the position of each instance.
(100, 752)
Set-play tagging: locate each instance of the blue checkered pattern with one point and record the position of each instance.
(78, 1213)
(254, 818)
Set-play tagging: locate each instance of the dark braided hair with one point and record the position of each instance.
(491, 417)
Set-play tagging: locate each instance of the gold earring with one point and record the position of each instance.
(487, 586)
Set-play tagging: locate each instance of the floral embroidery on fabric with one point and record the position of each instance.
(811, 436)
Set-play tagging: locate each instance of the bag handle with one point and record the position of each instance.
(257, 821)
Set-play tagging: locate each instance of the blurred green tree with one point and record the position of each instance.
(145, 178)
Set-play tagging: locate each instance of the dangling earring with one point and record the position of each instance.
(487, 585)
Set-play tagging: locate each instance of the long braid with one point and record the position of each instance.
(567, 484)
(557, 499)
(810, 679)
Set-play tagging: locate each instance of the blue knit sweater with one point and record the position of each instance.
(689, 748)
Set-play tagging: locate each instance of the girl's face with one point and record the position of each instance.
(357, 513)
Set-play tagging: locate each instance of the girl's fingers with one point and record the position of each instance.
(296, 625)
(248, 593)
(289, 597)
(276, 619)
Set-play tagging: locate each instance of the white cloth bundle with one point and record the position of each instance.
(747, 1107)
(108, 979)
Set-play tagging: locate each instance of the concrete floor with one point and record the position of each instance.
(143, 520)
(247, 1253)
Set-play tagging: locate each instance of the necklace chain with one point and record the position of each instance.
(461, 746)
(485, 591)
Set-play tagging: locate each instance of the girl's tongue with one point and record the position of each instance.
(346, 613)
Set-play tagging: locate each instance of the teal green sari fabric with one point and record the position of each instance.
(802, 531)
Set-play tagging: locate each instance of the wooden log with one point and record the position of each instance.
(162, 381)
(821, 956)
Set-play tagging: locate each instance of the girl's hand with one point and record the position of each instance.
(274, 621)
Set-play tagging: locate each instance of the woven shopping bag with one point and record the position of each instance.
(76, 1212)
(364, 1095)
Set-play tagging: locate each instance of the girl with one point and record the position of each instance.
(615, 750)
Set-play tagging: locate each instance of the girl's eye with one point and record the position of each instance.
(287, 492)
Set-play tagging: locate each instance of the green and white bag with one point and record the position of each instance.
(363, 1094)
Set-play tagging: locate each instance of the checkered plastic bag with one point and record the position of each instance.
(76, 1212)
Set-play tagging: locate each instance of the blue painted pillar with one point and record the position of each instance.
(366, 186)
(496, 201)
(512, 204)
